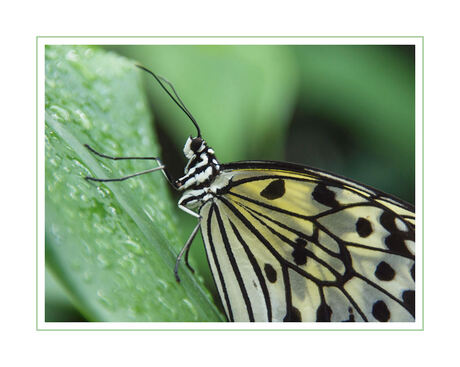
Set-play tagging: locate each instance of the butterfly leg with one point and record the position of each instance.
(188, 211)
(160, 167)
(185, 250)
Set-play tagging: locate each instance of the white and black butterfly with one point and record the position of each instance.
(290, 243)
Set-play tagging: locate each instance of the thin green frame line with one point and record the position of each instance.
(36, 183)
(324, 37)
(230, 329)
(229, 37)
(423, 183)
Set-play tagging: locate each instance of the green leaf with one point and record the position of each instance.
(112, 246)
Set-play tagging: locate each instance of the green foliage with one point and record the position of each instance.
(368, 95)
(111, 246)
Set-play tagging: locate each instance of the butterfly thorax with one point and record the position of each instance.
(201, 170)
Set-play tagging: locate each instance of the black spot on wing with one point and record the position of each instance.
(325, 196)
(412, 272)
(380, 311)
(384, 271)
(395, 241)
(293, 316)
(351, 316)
(274, 190)
(323, 313)
(409, 301)
(300, 254)
(270, 273)
(363, 227)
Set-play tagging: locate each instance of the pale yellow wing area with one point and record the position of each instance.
(304, 245)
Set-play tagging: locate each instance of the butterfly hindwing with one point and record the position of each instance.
(286, 243)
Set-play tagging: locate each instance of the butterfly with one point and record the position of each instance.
(290, 243)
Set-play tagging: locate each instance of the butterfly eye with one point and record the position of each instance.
(196, 144)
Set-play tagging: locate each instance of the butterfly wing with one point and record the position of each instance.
(290, 243)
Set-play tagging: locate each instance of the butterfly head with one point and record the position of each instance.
(194, 146)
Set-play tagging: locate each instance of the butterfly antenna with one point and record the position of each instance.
(178, 101)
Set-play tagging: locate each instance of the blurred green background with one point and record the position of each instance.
(345, 109)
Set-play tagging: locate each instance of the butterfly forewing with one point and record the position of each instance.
(287, 243)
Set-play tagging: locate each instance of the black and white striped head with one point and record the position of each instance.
(202, 166)
(193, 146)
